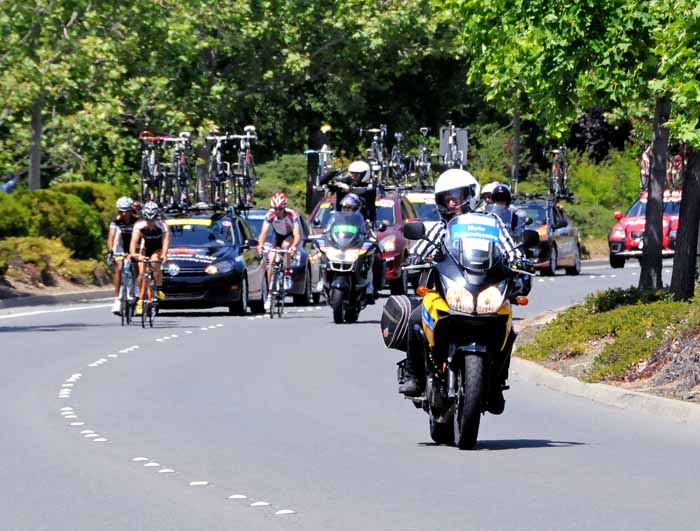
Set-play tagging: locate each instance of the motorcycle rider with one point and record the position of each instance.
(512, 217)
(456, 192)
(486, 192)
(357, 181)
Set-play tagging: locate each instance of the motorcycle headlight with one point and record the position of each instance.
(219, 268)
(459, 299)
(490, 300)
(173, 269)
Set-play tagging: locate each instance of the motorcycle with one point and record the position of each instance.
(466, 323)
(348, 256)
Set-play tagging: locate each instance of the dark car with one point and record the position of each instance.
(626, 236)
(394, 211)
(307, 286)
(212, 261)
(559, 245)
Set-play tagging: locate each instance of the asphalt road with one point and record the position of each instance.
(220, 423)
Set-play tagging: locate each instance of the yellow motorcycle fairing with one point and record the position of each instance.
(432, 303)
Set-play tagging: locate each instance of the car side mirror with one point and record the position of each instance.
(414, 230)
(528, 221)
(249, 244)
(617, 215)
(316, 223)
(530, 238)
(382, 226)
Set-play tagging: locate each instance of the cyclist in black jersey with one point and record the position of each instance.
(118, 241)
(151, 239)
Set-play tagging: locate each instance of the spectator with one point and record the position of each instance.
(645, 168)
(9, 182)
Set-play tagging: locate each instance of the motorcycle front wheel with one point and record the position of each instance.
(337, 305)
(470, 380)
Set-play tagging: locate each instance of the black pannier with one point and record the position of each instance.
(394, 323)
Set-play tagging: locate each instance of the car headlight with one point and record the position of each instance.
(389, 244)
(219, 268)
(620, 233)
(173, 269)
(490, 299)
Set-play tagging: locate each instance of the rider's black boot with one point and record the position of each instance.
(414, 383)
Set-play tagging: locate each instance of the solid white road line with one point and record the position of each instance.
(59, 310)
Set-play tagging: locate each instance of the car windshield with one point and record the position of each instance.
(426, 211)
(639, 208)
(256, 224)
(323, 214)
(386, 214)
(198, 233)
(537, 213)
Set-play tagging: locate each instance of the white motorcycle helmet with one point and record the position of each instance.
(488, 188)
(456, 190)
(359, 167)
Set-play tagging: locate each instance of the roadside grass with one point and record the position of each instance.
(632, 323)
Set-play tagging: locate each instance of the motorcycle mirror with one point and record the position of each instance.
(249, 244)
(528, 221)
(531, 238)
(414, 230)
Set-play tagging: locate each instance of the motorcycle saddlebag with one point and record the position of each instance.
(394, 322)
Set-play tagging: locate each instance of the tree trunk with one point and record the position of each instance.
(35, 147)
(683, 278)
(650, 276)
(515, 167)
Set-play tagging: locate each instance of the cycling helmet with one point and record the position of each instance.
(350, 203)
(279, 200)
(125, 203)
(150, 210)
(361, 168)
(456, 190)
(501, 193)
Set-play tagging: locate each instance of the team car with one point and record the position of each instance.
(560, 245)
(424, 205)
(393, 211)
(626, 237)
(307, 284)
(212, 261)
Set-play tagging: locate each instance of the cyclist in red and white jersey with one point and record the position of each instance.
(151, 239)
(285, 222)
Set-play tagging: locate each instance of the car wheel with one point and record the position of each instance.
(240, 306)
(576, 268)
(551, 270)
(617, 262)
(316, 298)
(259, 306)
(305, 298)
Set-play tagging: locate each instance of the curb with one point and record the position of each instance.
(602, 393)
(61, 298)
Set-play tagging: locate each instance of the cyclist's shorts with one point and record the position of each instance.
(148, 252)
(281, 238)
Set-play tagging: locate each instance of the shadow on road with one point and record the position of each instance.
(47, 328)
(517, 444)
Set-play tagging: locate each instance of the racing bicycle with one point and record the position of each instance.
(244, 176)
(278, 289)
(220, 180)
(559, 173)
(376, 154)
(397, 162)
(126, 290)
(451, 139)
(150, 293)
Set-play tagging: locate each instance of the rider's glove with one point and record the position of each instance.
(524, 265)
(110, 258)
(342, 186)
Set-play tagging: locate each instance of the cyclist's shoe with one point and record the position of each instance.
(268, 302)
(160, 295)
(139, 307)
(117, 307)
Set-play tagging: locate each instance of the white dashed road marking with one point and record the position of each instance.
(166, 471)
(259, 504)
(138, 459)
(285, 511)
(199, 483)
(238, 497)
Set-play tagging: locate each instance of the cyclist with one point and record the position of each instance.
(119, 241)
(456, 192)
(285, 222)
(151, 239)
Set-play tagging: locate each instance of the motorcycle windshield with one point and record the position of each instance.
(347, 230)
(473, 241)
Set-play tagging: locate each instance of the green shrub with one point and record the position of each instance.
(604, 301)
(14, 217)
(41, 260)
(101, 197)
(58, 215)
(285, 174)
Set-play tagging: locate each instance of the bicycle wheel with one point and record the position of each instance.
(144, 309)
